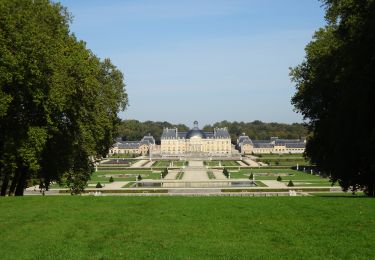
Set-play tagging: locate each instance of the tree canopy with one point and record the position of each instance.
(59, 102)
(134, 130)
(335, 93)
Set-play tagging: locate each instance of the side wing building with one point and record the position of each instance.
(275, 145)
(141, 147)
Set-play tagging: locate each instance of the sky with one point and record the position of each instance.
(204, 60)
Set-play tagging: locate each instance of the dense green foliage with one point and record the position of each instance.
(135, 130)
(65, 227)
(132, 130)
(259, 130)
(335, 94)
(59, 102)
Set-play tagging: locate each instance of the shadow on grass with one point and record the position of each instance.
(340, 195)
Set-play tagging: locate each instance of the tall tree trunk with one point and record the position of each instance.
(21, 184)
(4, 186)
(14, 183)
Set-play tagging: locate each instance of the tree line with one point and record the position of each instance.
(134, 130)
(59, 101)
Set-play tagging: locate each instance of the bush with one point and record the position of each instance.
(111, 179)
(251, 176)
(140, 177)
(226, 173)
(290, 184)
(164, 173)
(279, 178)
(98, 185)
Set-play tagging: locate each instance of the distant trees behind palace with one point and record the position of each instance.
(135, 130)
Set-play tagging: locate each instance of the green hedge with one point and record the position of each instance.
(119, 191)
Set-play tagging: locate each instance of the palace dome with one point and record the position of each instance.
(195, 133)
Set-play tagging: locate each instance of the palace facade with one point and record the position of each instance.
(196, 141)
(141, 147)
(275, 145)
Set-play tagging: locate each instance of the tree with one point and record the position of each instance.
(335, 94)
(279, 178)
(225, 172)
(111, 179)
(99, 185)
(139, 177)
(60, 101)
(164, 173)
(251, 176)
(134, 130)
(290, 183)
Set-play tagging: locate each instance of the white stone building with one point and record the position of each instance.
(196, 141)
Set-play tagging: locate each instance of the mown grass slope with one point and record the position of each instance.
(65, 227)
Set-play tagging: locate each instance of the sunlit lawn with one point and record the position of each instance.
(66, 227)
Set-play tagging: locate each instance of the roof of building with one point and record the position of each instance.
(221, 133)
(281, 142)
(295, 145)
(149, 138)
(288, 143)
(244, 139)
(128, 145)
(172, 133)
(146, 140)
(195, 133)
(169, 133)
(262, 144)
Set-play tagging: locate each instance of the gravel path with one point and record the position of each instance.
(274, 184)
(195, 172)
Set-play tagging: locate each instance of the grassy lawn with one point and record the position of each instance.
(297, 155)
(100, 176)
(221, 163)
(211, 175)
(296, 176)
(283, 159)
(167, 164)
(66, 227)
(146, 174)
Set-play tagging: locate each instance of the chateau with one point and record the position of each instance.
(196, 141)
(203, 143)
(275, 145)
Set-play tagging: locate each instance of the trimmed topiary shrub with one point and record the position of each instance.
(164, 173)
(98, 185)
(279, 178)
(290, 184)
(226, 173)
(111, 179)
(251, 176)
(139, 177)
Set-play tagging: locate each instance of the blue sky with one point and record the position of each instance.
(207, 60)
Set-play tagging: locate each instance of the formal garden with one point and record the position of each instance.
(282, 159)
(299, 178)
